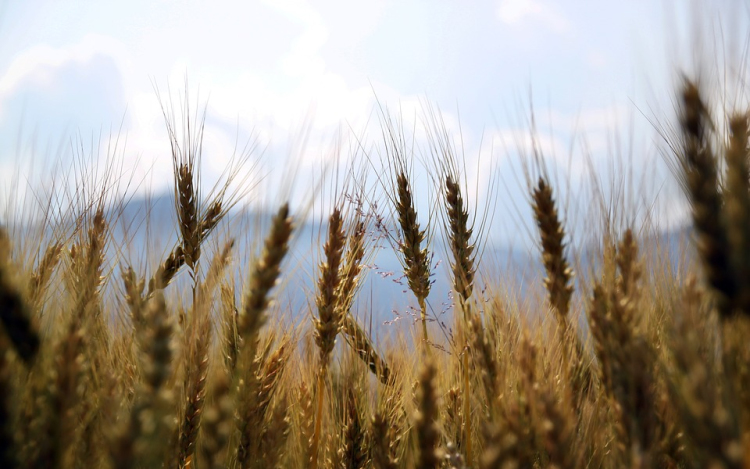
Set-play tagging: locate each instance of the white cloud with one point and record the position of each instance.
(57, 104)
(304, 56)
(36, 63)
(515, 12)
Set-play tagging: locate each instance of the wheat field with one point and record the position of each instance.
(105, 364)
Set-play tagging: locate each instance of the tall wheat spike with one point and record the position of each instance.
(701, 178)
(464, 268)
(416, 257)
(626, 359)
(737, 205)
(328, 323)
(558, 281)
(187, 211)
(249, 386)
(263, 278)
(176, 258)
(461, 244)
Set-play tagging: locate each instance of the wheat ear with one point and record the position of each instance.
(559, 284)
(459, 236)
(426, 425)
(254, 400)
(187, 213)
(701, 178)
(41, 276)
(737, 206)
(353, 452)
(263, 278)
(416, 257)
(176, 258)
(306, 421)
(248, 384)
(558, 280)
(463, 268)
(328, 323)
(382, 445)
(626, 359)
(216, 422)
(14, 312)
(53, 426)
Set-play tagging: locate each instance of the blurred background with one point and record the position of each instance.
(305, 84)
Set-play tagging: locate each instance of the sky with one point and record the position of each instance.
(302, 79)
